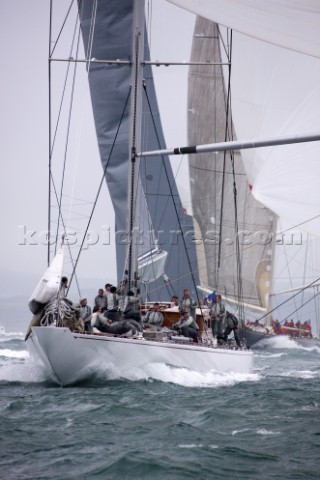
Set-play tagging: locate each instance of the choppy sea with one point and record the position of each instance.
(162, 423)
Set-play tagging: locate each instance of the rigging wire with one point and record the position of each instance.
(288, 269)
(169, 196)
(286, 301)
(59, 201)
(305, 263)
(99, 188)
(166, 279)
(223, 170)
(176, 210)
(51, 179)
(64, 89)
(62, 27)
(67, 135)
(290, 314)
(52, 142)
(228, 135)
(64, 227)
(313, 298)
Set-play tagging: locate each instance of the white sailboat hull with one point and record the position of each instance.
(70, 357)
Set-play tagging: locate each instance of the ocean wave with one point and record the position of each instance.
(190, 445)
(14, 353)
(264, 431)
(305, 374)
(241, 430)
(23, 372)
(9, 336)
(287, 343)
(179, 376)
(271, 355)
(281, 342)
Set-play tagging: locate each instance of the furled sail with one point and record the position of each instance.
(212, 186)
(49, 284)
(107, 34)
(293, 24)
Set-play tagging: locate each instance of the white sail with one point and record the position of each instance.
(275, 92)
(152, 265)
(279, 96)
(293, 24)
(49, 285)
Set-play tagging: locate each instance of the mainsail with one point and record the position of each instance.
(110, 39)
(242, 276)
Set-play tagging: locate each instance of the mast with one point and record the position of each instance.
(135, 138)
(272, 270)
(49, 139)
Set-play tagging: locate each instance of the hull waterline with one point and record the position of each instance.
(70, 357)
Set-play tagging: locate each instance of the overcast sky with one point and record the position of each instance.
(24, 132)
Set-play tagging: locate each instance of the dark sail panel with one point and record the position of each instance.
(110, 88)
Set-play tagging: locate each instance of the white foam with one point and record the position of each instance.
(282, 342)
(306, 374)
(271, 355)
(310, 408)
(263, 431)
(26, 373)
(14, 353)
(191, 445)
(311, 348)
(285, 342)
(235, 432)
(188, 378)
(179, 376)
